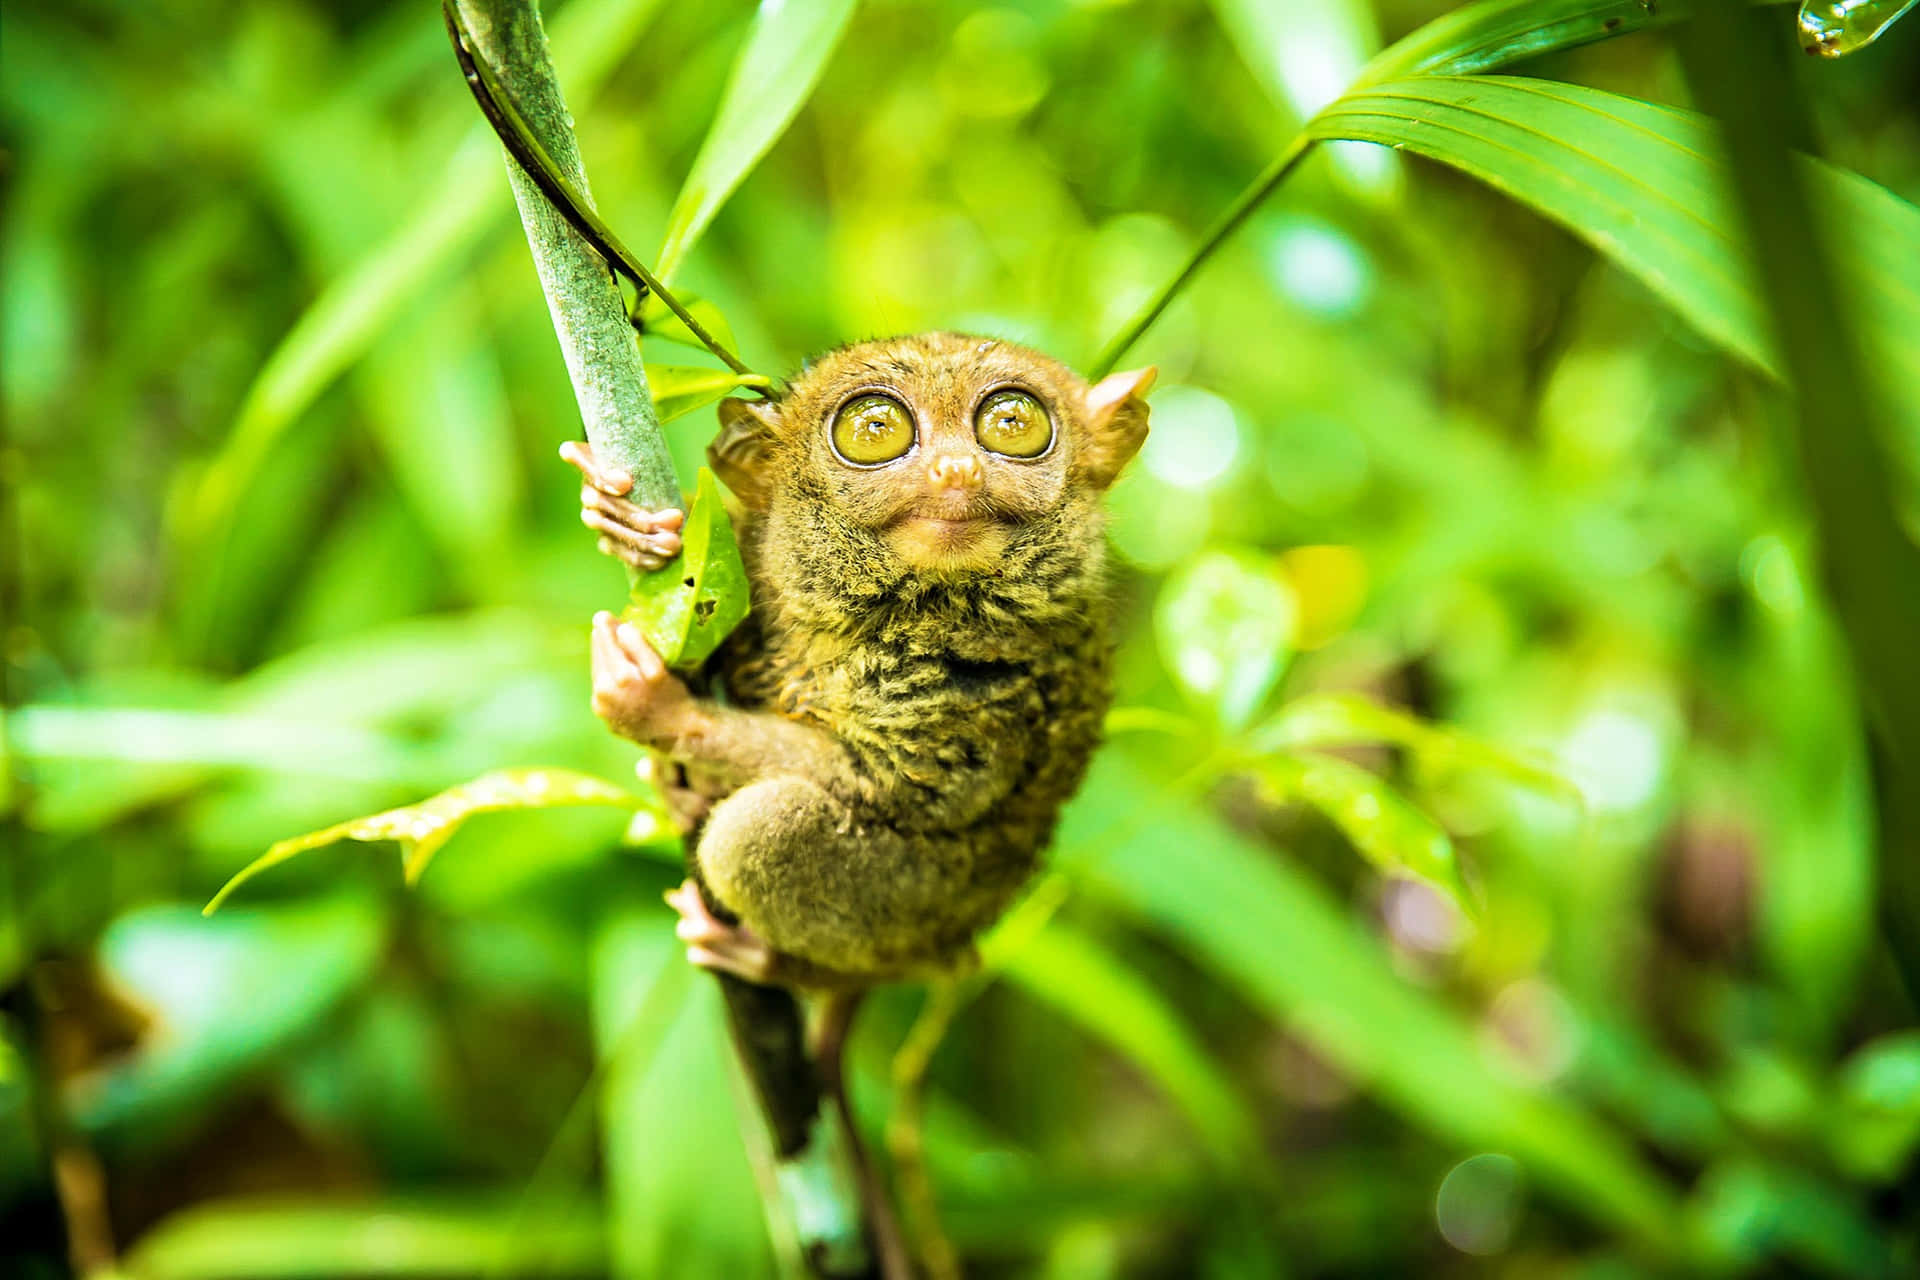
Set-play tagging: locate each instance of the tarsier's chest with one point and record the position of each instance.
(943, 740)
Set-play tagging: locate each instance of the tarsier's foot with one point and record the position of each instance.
(644, 539)
(714, 944)
(688, 805)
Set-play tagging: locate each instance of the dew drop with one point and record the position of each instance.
(1836, 28)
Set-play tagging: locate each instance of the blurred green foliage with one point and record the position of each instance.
(1458, 545)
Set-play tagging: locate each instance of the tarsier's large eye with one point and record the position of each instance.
(872, 429)
(1013, 423)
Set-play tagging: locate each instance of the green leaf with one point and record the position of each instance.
(1325, 720)
(1878, 1125)
(785, 53)
(658, 321)
(1644, 185)
(680, 389)
(1475, 38)
(1386, 828)
(688, 607)
(1496, 33)
(1267, 930)
(472, 1235)
(226, 996)
(681, 1194)
(1067, 969)
(1225, 624)
(421, 829)
(359, 303)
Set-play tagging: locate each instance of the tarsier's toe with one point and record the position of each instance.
(714, 944)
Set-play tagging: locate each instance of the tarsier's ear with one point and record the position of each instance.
(740, 454)
(1113, 414)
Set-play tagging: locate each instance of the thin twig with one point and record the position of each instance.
(1229, 222)
(906, 1136)
(496, 104)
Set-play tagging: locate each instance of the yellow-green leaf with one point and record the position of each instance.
(1384, 826)
(656, 321)
(420, 829)
(785, 53)
(680, 389)
(1349, 719)
(687, 608)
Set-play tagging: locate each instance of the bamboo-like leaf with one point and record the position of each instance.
(687, 608)
(1067, 969)
(358, 304)
(658, 321)
(1497, 33)
(1263, 927)
(1325, 720)
(421, 829)
(680, 389)
(1476, 38)
(1385, 827)
(1643, 185)
(785, 53)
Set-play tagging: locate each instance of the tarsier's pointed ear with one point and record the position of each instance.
(740, 454)
(1113, 414)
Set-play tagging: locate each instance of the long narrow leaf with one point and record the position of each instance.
(1070, 971)
(1643, 184)
(784, 55)
(1266, 929)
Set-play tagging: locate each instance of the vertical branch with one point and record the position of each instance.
(812, 1164)
(589, 317)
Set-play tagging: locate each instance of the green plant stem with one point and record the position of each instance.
(567, 199)
(1228, 223)
(603, 357)
(589, 316)
(1870, 567)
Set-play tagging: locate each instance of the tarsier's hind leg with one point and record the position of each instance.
(817, 887)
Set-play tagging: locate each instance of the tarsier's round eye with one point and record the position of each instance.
(1013, 423)
(870, 430)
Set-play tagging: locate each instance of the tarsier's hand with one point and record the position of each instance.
(632, 689)
(644, 539)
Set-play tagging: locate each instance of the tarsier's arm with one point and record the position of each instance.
(635, 693)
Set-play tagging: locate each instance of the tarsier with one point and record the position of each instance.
(925, 668)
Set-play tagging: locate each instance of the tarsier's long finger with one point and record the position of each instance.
(608, 658)
(579, 454)
(656, 547)
(644, 561)
(629, 513)
(636, 648)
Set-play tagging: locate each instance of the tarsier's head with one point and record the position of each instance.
(938, 451)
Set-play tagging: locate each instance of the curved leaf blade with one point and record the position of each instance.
(1065, 968)
(1643, 184)
(1381, 824)
(1325, 720)
(680, 389)
(421, 829)
(784, 55)
(686, 608)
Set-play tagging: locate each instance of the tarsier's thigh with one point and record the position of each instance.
(817, 884)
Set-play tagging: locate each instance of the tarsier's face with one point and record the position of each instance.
(941, 446)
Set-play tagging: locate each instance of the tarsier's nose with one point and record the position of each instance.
(955, 471)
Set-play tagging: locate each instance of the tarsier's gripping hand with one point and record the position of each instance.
(644, 539)
(632, 689)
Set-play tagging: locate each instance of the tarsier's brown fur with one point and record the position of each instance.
(925, 669)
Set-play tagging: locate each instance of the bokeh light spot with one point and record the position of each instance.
(1479, 1204)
